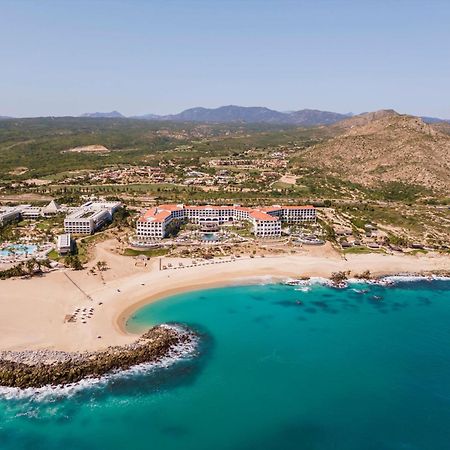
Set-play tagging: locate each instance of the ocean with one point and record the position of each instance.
(275, 367)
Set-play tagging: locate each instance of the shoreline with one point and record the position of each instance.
(124, 316)
(41, 368)
(37, 369)
(34, 312)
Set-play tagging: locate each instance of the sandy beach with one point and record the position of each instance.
(34, 312)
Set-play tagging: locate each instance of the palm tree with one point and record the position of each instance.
(19, 269)
(102, 265)
(45, 262)
(31, 263)
(76, 263)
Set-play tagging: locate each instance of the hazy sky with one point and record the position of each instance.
(162, 56)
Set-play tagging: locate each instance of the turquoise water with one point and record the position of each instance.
(277, 368)
(18, 249)
(210, 237)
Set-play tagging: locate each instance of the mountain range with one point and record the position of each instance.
(242, 114)
(248, 114)
(255, 114)
(238, 114)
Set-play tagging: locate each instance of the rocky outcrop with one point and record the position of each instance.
(41, 368)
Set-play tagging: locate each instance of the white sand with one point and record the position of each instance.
(32, 311)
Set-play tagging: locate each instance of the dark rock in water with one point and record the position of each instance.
(41, 368)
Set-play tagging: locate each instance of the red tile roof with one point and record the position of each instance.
(260, 215)
(160, 213)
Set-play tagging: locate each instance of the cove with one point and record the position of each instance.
(367, 367)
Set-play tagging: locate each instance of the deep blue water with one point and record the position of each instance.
(277, 368)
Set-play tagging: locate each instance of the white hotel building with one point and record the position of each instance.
(266, 221)
(90, 217)
(64, 243)
(9, 214)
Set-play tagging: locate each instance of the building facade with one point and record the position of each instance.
(9, 214)
(27, 212)
(90, 217)
(266, 221)
(64, 244)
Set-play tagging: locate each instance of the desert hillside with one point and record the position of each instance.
(385, 146)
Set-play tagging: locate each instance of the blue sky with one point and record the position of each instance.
(162, 56)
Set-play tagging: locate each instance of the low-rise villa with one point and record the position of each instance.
(11, 213)
(266, 221)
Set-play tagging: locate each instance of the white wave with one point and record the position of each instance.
(313, 281)
(361, 291)
(296, 282)
(408, 278)
(261, 280)
(356, 280)
(181, 351)
(372, 281)
(320, 281)
(303, 289)
(381, 281)
(440, 278)
(393, 279)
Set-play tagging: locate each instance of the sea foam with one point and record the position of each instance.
(182, 351)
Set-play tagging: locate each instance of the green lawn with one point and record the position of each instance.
(53, 255)
(363, 250)
(418, 251)
(150, 253)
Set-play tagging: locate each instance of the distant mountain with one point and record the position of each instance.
(109, 115)
(231, 113)
(251, 114)
(310, 117)
(147, 117)
(434, 119)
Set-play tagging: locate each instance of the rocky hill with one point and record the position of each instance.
(385, 146)
(443, 127)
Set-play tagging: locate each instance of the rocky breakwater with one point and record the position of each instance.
(34, 369)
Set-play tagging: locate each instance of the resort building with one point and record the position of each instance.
(51, 209)
(64, 244)
(26, 212)
(9, 214)
(266, 221)
(31, 212)
(90, 217)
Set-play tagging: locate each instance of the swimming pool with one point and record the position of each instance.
(210, 237)
(18, 249)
